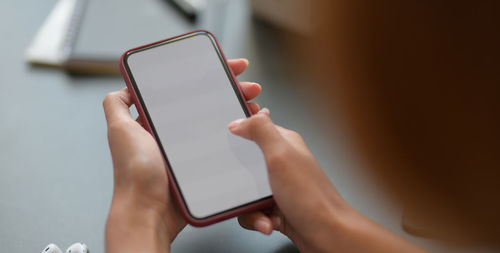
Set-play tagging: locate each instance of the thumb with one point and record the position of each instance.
(260, 129)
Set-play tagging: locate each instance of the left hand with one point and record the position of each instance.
(143, 214)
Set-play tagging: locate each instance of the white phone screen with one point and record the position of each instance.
(190, 99)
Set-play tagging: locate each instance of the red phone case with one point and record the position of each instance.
(255, 206)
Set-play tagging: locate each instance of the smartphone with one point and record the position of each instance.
(186, 95)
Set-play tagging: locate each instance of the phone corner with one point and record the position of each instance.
(197, 222)
(203, 31)
(124, 57)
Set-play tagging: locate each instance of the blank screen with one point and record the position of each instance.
(190, 100)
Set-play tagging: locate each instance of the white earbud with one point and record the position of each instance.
(78, 248)
(52, 248)
(74, 248)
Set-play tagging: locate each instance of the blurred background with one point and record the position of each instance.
(59, 61)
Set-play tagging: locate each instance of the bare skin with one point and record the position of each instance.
(144, 218)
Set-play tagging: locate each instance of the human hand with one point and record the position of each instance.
(309, 210)
(143, 213)
(306, 200)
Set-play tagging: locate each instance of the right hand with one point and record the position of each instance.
(307, 202)
(309, 210)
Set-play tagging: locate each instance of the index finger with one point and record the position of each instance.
(116, 106)
(238, 65)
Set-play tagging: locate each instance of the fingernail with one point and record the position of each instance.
(235, 123)
(263, 226)
(258, 85)
(265, 111)
(246, 61)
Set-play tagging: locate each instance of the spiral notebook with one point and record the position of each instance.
(88, 36)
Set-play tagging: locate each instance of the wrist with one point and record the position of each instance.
(337, 221)
(134, 226)
(354, 232)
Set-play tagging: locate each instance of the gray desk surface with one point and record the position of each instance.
(55, 166)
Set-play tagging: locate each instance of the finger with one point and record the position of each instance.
(261, 129)
(254, 107)
(238, 65)
(116, 106)
(257, 221)
(138, 120)
(250, 90)
(277, 219)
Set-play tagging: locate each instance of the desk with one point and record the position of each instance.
(55, 165)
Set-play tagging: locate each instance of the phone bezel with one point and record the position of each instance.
(145, 117)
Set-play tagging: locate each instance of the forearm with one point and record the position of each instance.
(357, 233)
(131, 228)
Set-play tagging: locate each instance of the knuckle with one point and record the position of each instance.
(108, 98)
(260, 118)
(257, 120)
